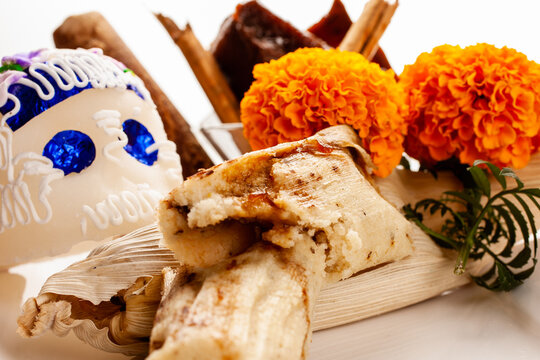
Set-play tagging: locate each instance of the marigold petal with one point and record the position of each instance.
(309, 89)
(491, 97)
(295, 113)
(284, 126)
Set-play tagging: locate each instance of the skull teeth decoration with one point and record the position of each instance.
(83, 152)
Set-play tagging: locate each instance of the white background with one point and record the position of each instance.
(417, 26)
(467, 324)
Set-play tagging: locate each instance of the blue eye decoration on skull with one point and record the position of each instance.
(139, 139)
(70, 151)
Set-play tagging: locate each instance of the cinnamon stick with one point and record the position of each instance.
(206, 70)
(358, 33)
(363, 36)
(93, 30)
(371, 46)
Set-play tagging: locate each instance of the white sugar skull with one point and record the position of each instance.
(83, 152)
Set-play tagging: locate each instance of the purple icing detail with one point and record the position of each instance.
(24, 59)
(96, 50)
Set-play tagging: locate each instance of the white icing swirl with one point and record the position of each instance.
(74, 68)
(110, 121)
(17, 205)
(127, 206)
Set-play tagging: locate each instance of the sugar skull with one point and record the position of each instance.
(83, 152)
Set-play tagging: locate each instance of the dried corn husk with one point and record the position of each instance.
(427, 273)
(109, 299)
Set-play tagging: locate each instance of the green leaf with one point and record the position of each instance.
(488, 274)
(510, 226)
(482, 283)
(510, 173)
(521, 259)
(487, 229)
(533, 192)
(519, 218)
(497, 234)
(533, 200)
(480, 223)
(481, 180)
(530, 217)
(11, 66)
(535, 238)
(505, 278)
(410, 213)
(460, 195)
(478, 255)
(494, 170)
(525, 274)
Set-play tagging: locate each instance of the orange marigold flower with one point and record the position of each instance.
(310, 89)
(480, 102)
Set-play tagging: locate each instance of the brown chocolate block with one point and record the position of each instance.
(254, 35)
(333, 26)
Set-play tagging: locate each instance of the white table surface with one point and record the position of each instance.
(469, 323)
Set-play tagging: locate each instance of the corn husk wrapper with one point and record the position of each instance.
(108, 299)
(131, 266)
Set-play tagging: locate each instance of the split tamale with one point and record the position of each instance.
(314, 206)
